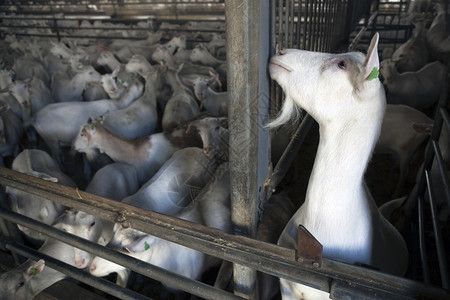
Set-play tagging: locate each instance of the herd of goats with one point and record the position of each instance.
(144, 122)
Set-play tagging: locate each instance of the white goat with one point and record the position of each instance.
(181, 105)
(214, 102)
(420, 89)
(176, 183)
(163, 56)
(146, 154)
(114, 181)
(27, 67)
(113, 87)
(211, 208)
(48, 121)
(413, 54)
(140, 117)
(65, 89)
(214, 134)
(30, 278)
(200, 54)
(139, 64)
(39, 164)
(32, 95)
(108, 60)
(342, 94)
(399, 138)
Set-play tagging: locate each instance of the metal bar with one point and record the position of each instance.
(248, 49)
(78, 274)
(422, 244)
(264, 257)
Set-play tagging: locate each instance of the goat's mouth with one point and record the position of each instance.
(276, 64)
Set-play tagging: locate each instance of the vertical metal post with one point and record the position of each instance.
(248, 47)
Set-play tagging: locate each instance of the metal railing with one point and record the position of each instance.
(335, 277)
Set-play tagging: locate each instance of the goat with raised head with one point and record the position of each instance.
(341, 92)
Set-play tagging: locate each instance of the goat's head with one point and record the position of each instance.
(328, 86)
(85, 226)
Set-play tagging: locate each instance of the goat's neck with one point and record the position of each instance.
(116, 147)
(174, 81)
(129, 96)
(150, 89)
(113, 63)
(336, 182)
(78, 83)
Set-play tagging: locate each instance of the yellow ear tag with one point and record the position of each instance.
(374, 74)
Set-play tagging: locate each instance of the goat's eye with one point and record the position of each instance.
(342, 65)
(19, 285)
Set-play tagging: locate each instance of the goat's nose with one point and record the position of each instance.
(92, 268)
(281, 52)
(80, 263)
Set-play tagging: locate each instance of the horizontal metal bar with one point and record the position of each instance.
(171, 279)
(264, 257)
(78, 274)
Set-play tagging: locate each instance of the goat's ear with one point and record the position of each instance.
(140, 245)
(372, 63)
(422, 127)
(224, 122)
(34, 269)
(116, 71)
(188, 81)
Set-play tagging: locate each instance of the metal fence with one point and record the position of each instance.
(306, 24)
